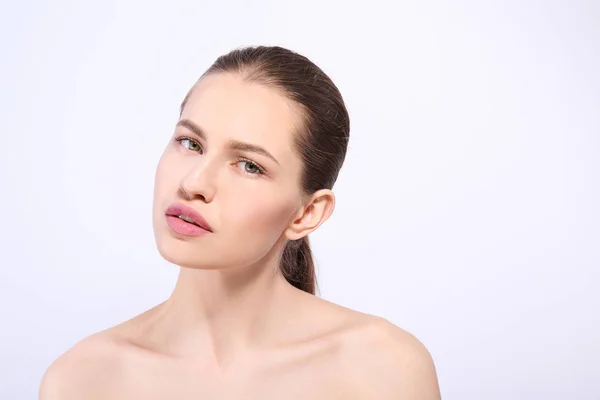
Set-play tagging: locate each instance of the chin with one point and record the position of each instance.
(184, 253)
(184, 260)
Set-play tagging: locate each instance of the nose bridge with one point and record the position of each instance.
(200, 179)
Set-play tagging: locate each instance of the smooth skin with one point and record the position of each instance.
(234, 328)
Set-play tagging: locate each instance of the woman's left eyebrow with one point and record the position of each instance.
(241, 146)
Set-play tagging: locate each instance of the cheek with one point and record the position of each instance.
(264, 216)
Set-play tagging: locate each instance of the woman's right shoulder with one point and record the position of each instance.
(84, 369)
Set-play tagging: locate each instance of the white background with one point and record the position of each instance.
(468, 208)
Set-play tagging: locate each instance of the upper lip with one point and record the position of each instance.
(178, 209)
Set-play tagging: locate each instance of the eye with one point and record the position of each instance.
(189, 144)
(251, 167)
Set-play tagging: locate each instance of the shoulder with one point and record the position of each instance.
(384, 361)
(82, 370)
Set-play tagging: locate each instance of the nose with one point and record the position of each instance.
(199, 182)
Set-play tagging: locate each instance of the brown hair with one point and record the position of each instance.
(322, 141)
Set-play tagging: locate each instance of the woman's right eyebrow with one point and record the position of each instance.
(186, 123)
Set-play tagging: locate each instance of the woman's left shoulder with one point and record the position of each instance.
(386, 361)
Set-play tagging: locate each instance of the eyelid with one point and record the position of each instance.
(180, 139)
(261, 169)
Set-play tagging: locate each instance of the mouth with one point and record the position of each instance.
(185, 220)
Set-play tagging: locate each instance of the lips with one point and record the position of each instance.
(188, 214)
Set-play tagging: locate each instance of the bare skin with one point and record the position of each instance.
(234, 328)
(323, 352)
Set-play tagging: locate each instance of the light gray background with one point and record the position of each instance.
(467, 210)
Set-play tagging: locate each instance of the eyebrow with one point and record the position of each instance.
(232, 144)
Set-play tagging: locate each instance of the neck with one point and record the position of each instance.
(221, 314)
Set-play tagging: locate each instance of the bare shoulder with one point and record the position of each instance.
(387, 362)
(378, 359)
(83, 370)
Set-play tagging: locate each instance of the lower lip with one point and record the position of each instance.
(184, 228)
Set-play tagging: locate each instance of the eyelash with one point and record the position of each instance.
(261, 170)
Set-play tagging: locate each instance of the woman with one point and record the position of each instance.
(244, 180)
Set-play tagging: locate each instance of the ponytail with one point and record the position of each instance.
(297, 265)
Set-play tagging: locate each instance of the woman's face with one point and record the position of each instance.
(231, 160)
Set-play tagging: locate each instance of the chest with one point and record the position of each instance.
(317, 377)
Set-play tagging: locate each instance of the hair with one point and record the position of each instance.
(321, 141)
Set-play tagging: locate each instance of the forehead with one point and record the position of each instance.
(227, 108)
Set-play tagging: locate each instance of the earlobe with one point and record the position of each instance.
(319, 208)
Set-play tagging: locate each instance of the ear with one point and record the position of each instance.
(316, 210)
